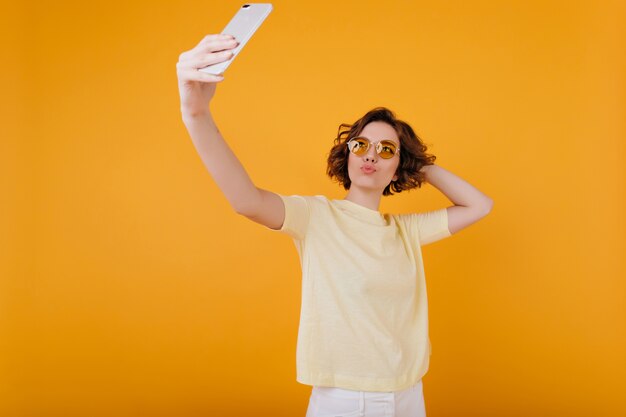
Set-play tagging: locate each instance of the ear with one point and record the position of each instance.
(395, 178)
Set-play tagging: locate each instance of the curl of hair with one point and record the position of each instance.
(413, 152)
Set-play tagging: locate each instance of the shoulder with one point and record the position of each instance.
(317, 200)
(310, 201)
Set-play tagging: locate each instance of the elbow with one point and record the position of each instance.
(243, 211)
(248, 205)
(487, 206)
(483, 207)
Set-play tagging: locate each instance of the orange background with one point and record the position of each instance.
(131, 288)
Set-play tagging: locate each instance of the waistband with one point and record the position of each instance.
(348, 393)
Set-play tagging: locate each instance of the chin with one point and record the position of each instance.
(367, 186)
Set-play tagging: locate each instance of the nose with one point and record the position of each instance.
(371, 155)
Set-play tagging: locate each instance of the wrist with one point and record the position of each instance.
(189, 115)
(426, 170)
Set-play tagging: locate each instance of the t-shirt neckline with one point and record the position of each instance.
(361, 212)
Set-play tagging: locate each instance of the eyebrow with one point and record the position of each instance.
(363, 136)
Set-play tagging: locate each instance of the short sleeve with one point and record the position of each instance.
(429, 226)
(297, 214)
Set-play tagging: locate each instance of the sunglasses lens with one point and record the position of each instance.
(358, 146)
(387, 149)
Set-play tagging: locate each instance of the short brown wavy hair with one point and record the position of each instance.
(413, 154)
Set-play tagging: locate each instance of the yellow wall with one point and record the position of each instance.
(131, 288)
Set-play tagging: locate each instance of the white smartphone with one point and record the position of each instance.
(242, 26)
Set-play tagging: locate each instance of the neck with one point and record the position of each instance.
(371, 200)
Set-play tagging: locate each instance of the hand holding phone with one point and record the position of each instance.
(198, 68)
(242, 26)
(196, 88)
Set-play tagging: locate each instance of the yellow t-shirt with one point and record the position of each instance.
(364, 312)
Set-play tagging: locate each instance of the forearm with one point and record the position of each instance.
(221, 162)
(459, 191)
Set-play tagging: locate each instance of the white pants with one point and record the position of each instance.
(339, 402)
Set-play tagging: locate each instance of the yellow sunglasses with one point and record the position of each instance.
(385, 148)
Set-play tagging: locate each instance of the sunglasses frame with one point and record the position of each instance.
(378, 146)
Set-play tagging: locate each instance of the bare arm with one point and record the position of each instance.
(196, 90)
(221, 162)
(470, 203)
(260, 205)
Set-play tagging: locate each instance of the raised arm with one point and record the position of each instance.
(196, 91)
(470, 204)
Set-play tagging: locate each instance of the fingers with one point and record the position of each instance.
(195, 75)
(203, 60)
(210, 50)
(217, 45)
(189, 72)
(212, 39)
(219, 36)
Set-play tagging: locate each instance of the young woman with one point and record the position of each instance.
(363, 340)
